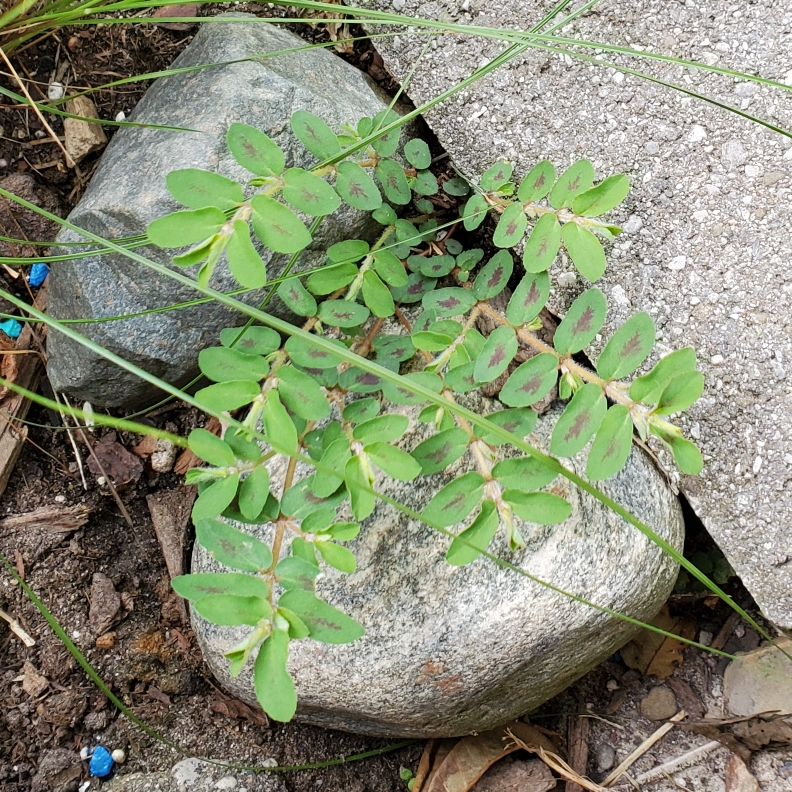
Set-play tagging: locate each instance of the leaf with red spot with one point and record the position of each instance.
(519, 421)
(474, 212)
(315, 135)
(356, 187)
(511, 226)
(296, 297)
(585, 250)
(308, 193)
(456, 500)
(437, 452)
(538, 182)
(451, 301)
(629, 346)
(494, 276)
(253, 150)
(307, 355)
(577, 178)
(469, 545)
(343, 313)
(277, 226)
(359, 381)
(581, 418)
(529, 298)
(612, 445)
(498, 352)
(583, 321)
(394, 182)
(523, 473)
(542, 245)
(538, 507)
(531, 381)
(415, 289)
(496, 176)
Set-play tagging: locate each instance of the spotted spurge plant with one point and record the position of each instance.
(325, 404)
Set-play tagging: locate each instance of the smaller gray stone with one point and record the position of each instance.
(759, 681)
(652, 147)
(659, 705)
(733, 154)
(606, 758)
(58, 770)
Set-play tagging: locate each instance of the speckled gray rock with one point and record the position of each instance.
(707, 247)
(128, 191)
(451, 650)
(195, 775)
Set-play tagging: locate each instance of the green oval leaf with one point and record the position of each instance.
(377, 295)
(215, 498)
(396, 463)
(531, 381)
(474, 540)
(394, 183)
(205, 584)
(343, 313)
(385, 215)
(417, 153)
(687, 456)
(277, 226)
(326, 624)
(523, 473)
(519, 421)
(308, 193)
(348, 250)
(457, 187)
(279, 428)
(648, 389)
(302, 395)
(474, 212)
(583, 321)
(543, 243)
(387, 144)
(243, 259)
(577, 178)
(629, 346)
(528, 299)
(297, 298)
(440, 450)
(230, 610)
(581, 418)
(585, 250)
(451, 301)
(338, 557)
(330, 278)
(401, 394)
(496, 176)
(180, 229)
(390, 268)
(455, 501)
(274, 687)
(210, 448)
(361, 498)
(511, 226)
(227, 396)
(252, 340)
(612, 444)
(494, 276)
(221, 364)
(602, 198)
(537, 183)
(295, 572)
(682, 391)
(425, 183)
(253, 150)
(385, 428)
(356, 187)
(498, 352)
(315, 135)
(198, 189)
(538, 507)
(253, 494)
(305, 354)
(432, 266)
(361, 410)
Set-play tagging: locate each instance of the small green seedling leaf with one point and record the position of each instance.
(511, 226)
(583, 321)
(456, 500)
(334, 458)
(577, 178)
(537, 183)
(243, 259)
(361, 498)
(648, 389)
(474, 212)
(295, 572)
(523, 473)
(227, 396)
(297, 627)
(682, 391)
(377, 295)
(221, 364)
(231, 610)
(299, 501)
(528, 299)
(585, 250)
(205, 584)
(280, 430)
(297, 298)
(302, 395)
(401, 394)
(274, 687)
(253, 150)
(253, 493)
(417, 153)
(277, 226)
(538, 507)
(180, 229)
(498, 352)
(343, 313)
(425, 183)
(315, 135)
(396, 463)
(612, 444)
(198, 189)
(542, 245)
(629, 346)
(385, 215)
(252, 340)
(496, 176)
(469, 545)
(326, 624)
(531, 381)
(432, 266)
(440, 450)
(581, 418)
(457, 187)
(494, 276)
(348, 250)
(394, 183)
(356, 187)
(387, 144)
(600, 199)
(362, 410)
(242, 446)
(308, 193)
(210, 448)
(338, 557)
(687, 456)
(216, 498)
(519, 421)
(343, 531)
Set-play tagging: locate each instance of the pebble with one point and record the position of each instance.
(652, 147)
(55, 91)
(677, 263)
(785, 770)
(716, 360)
(119, 756)
(120, 116)
(101, 762)
(606, 758)
(566, 279)
(659, 705)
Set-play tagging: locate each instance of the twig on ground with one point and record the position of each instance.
(672, 765)
(17, 629)
(423, 766)
(577, 749)
(77, 455)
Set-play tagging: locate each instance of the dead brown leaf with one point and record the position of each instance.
(117, 462)
(655, 654)
(234, 708)
(105, 604)
(33, 683)
(738, 777)
(746, 734)
(189, 10)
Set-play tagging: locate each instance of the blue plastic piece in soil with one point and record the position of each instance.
(101, 762)
(38, 274)
(11, 328)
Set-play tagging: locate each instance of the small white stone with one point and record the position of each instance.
(84, 786)
(716, 360)
(618, 77)
(85, 752)
(788, 459)
(634, 223)
(60, 499)
(119, 756)
(120, 116)
(566, 279)
(677, 263)
(227, 782)
(55, 91)
(694, 301)
(652, 147)
(700, 215)
(398, 5)
(697, 133)
(757, 465)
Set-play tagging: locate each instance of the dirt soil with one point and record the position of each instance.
(146, 651)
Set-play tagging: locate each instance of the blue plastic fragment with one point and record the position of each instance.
(101, 762)
(38, 274)
(11, 328)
